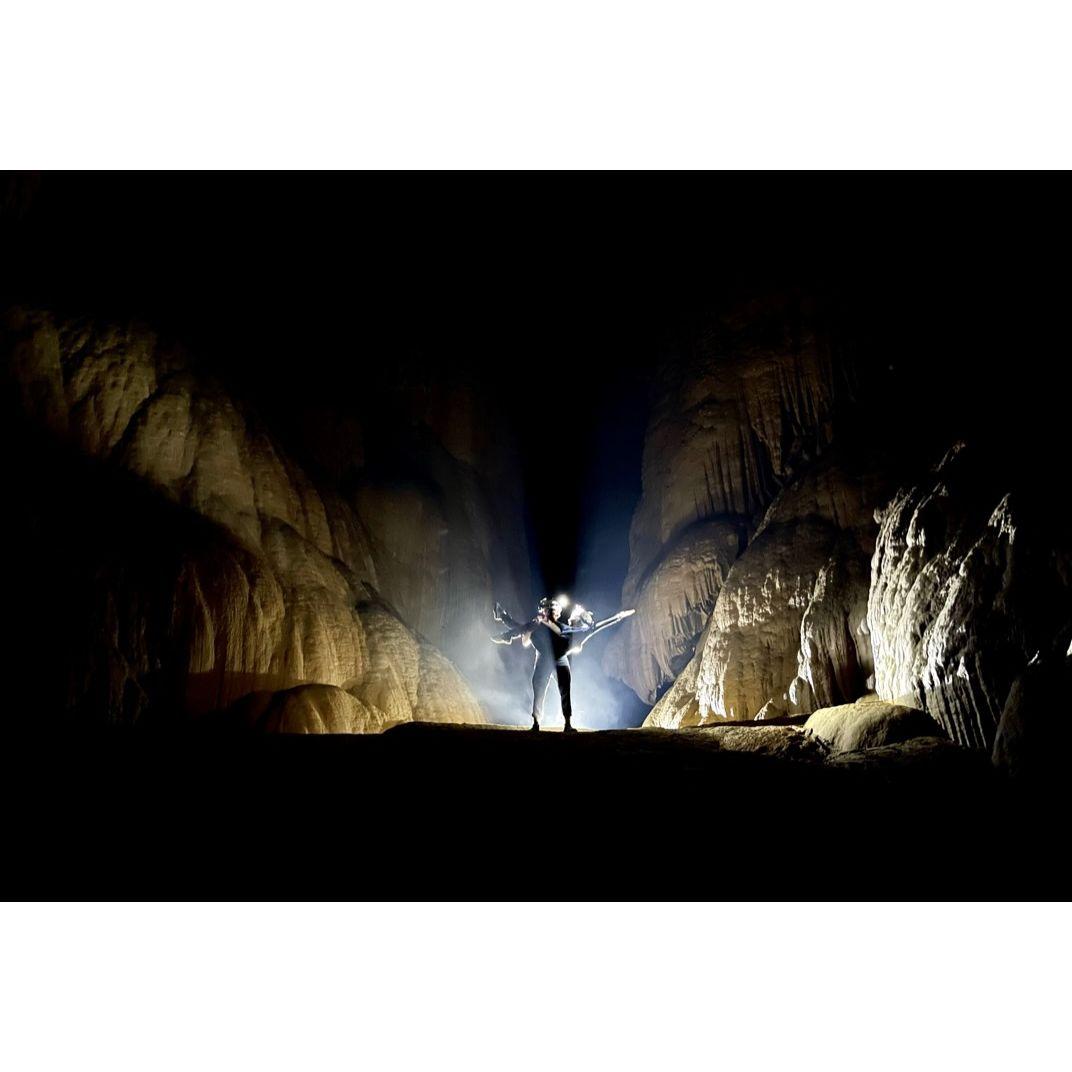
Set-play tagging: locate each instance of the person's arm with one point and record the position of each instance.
(598, 627)
(513, 633)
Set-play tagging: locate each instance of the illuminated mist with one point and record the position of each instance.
(611, 492)
(588, 564)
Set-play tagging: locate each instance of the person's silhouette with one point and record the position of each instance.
(553, 637)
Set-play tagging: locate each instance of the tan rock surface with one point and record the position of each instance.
(434, 478)
(971, 579)
(255, 577)
(729, 426)
(789, 626)
(672, 607)
(869, 723)
(306, 709)
(354, 709)
(782, 742)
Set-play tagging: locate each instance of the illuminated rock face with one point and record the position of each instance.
(730, 424)
(672, 606)
(869, 723)
(938, 594)
(306, 709)
(401, 681)
(971, 580)
(250, 575)
(788, 632)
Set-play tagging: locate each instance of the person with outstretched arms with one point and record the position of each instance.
(555, 639)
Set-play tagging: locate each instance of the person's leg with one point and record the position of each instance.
(541, 677)
(565, 677)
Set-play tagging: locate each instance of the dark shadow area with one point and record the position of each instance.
(505, 813)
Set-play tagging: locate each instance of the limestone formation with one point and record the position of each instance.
(750, 402)
(305, 709)
(971, 580)
(788, 632)
(440, 697)
(770, 710)
(869, 723)
(672, 606)
(781, 742)
(250, 575)
(432, 473)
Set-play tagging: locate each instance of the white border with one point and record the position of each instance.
(562, 84)
(547, 987)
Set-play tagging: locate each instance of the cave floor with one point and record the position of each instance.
(446, 811)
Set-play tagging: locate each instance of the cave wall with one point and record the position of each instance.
(788, 632)
(185, 551)
(736, 410)
(890, 558)
(938, 593)
(202, 561)
(441, 498)
(971, 582)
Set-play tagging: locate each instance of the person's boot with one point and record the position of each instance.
(535, 727)
(568, 727)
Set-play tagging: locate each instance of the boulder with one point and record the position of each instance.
(869, 723)
(780, 742)
(305, 709)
